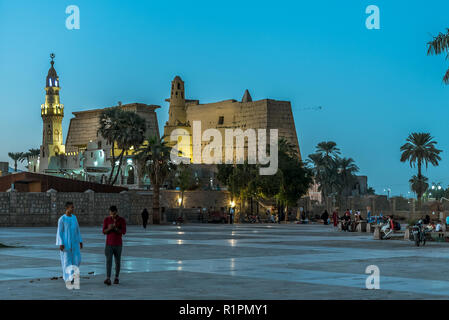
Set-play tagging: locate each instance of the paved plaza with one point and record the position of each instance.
(208, 261)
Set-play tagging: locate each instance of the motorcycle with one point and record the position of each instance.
(419, 233)
(386, 230)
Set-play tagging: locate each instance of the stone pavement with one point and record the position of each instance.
(213, 261)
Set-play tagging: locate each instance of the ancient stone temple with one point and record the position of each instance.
(228, 114)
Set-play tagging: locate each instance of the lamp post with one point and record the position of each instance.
(387, 190)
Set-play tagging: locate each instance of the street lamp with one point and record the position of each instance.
(387, 190)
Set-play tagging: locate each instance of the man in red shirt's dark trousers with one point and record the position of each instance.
(113, 227)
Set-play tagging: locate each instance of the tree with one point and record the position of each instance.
(438, 45)
(31, 153)
(295, 179)
(419, 184)
(324, 166)
(346, 170)
(242, 180)
(287, 186)
(16, 156)
(420, 148)
(125, 129)
(328, 149)
(154, 158)
(370, 191)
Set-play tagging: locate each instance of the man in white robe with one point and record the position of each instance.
(68, 237)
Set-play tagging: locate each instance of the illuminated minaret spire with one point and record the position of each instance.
(52, 113)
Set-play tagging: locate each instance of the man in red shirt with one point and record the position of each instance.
(113, 227)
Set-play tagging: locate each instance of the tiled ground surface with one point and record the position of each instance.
(207, 261)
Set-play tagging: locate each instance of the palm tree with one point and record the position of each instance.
(346, 169)
(317, 163)
(419, 185)
(16, 156)
(329, 150)
(31, 153)
(324, 163)
(125, 129)
(438, 45)
(420, 148)
(154, 158)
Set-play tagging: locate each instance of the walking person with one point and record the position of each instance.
(114, 227)
(68, 238)
(324, 217)
(231, 215)
(335, 218)
(145, 217)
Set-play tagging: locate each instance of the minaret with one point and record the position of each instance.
(177, 118)
(177, 110)
(52, 112)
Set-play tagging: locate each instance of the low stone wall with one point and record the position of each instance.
(27, 209)
(214, 200)
(44, 209)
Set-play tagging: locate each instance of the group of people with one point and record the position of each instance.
(70, 242)
(349, 220)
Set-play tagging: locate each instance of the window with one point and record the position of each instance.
(179, 85)
(220, 119)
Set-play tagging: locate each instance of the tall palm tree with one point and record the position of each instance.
(30, 153)
(324, 161)
(124, 129)
(438, 45)
(154, 158)
(419, 185)
(318, 168)
(420, 149)
(34, 152)
(328, 149)
(346, 170)
(16, 156)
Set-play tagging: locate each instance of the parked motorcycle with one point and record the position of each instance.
(419, 233)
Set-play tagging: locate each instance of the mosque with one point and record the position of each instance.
(87, 156)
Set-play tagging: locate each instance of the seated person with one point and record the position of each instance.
(346, 221)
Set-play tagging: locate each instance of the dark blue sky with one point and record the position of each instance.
(375, 86)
